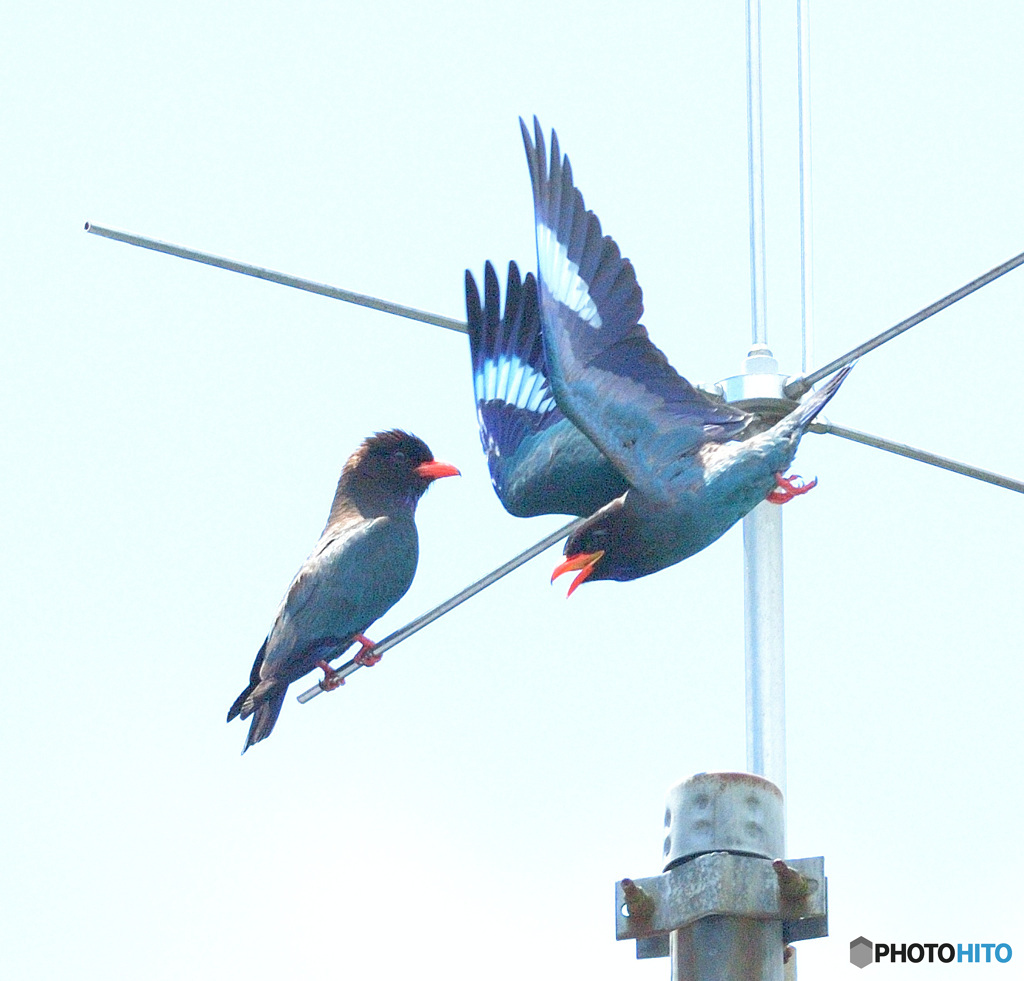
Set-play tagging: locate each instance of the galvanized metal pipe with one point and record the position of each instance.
(763, 609)
(765, 644)
(727, 948)
(285, 279)
(725, 812)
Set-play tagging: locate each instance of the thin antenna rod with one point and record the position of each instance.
(802, 383)
(385, 306)
(803, 90)
(922, 456)
(430, 616)
(755, 176)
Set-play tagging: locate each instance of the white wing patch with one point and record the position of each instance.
(562, 276)
(514, 381)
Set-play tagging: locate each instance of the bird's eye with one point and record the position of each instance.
(398, 455)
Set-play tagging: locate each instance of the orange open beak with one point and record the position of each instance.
(583, 561)
(433, 469)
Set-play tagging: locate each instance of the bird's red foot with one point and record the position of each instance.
(331, 679)
(365, 658)
(789, 487)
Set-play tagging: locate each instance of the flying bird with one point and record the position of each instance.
(694, 465)
(540, 463)
(362, 565)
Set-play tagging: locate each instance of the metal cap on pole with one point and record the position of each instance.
(726, 905)
(721, 815)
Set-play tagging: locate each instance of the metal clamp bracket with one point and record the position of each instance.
(723, 884)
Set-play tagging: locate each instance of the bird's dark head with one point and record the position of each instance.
(605, 547)
(388, 469)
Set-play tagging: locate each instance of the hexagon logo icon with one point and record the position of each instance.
(861, 952)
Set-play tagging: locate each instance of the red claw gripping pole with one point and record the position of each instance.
(366, 657)
(331, 678)
(788, 488)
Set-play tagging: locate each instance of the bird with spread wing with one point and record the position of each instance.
(689, 466)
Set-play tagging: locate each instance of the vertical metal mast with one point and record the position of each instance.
(733, 943)
(762, 528)
(705, 900)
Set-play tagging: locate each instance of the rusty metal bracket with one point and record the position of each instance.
(723, 884)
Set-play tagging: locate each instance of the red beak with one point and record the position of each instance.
(433, 469)
(584, 561)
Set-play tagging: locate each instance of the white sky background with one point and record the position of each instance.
(171, 437)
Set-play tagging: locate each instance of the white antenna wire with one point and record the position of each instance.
(755, 175)
(803, 94)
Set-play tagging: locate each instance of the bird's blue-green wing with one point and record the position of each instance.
(606, 375)
(354, 575)
(539, 462)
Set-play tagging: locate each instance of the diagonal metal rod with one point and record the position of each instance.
(802, 383)
(285, 279)
(439, 611)
(922, 456)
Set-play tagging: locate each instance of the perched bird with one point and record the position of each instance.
(362, 565)
(540, 463)
(694, 465)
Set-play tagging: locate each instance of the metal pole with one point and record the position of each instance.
(765, 645)
(764, 639)
(724, 947)
(762, 528)
(285, 279)
(715, 814)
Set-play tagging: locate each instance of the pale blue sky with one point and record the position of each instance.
(172, 435)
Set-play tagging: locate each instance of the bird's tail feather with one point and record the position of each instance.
(254, 680)
(240, 701)
(803, 415)
(260, 699)
(264, 715)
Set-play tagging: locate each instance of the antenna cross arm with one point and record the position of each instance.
(922, 456)
(800, 384)
(285, 279)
